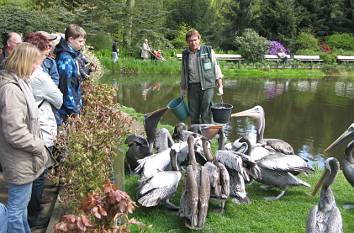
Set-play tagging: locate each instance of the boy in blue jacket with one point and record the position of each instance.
(68, 69)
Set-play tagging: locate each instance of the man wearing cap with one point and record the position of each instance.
(49, 65)
(11, 41)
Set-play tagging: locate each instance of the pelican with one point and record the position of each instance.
(257, 113)
(161, 161)
(161, 186)
(278, 170)
(348, 161)
(138, 149)
(325, 216)
(236, 164)
(150, 124)
(218, 175)
(195, 197)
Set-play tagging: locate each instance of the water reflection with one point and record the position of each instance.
(309, 114)
(149, 87)
(344, 89)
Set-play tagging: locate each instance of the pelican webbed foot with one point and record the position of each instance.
(169, 205)
(272, 198)
(241, 201)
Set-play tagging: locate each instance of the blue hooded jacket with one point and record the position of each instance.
(69, 79)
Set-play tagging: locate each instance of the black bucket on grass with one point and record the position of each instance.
(221, 112)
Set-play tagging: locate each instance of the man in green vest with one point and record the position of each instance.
(200, 75)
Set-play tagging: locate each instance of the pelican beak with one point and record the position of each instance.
(347, 133)
(252, 112)
(320, 182)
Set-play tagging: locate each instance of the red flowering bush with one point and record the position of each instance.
(325, 47)
(104, 211)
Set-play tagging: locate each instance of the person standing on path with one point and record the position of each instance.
(200, 75)
(115, 51)
(145, 50)
(22, 155)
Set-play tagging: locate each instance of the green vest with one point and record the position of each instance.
(205, 64)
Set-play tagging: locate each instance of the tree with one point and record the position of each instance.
(239, 15)
(251, 46)
(279, 20)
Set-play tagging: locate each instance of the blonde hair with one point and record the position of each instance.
(22, 58)
(192, 32)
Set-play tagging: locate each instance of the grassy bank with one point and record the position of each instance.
(129, 65)
(287, 215)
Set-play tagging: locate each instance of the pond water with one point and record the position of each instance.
(307, 113)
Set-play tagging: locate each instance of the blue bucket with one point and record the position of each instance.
(179, 108)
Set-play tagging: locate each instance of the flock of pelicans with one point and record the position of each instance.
(187, 154)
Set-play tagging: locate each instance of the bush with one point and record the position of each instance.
(22, 20)
(251, 45)
(275, 47)
(328, 58)
(306, 41)
(307, 52)
(180, 40)
(341, 41)
(91, 151)
(100, 41)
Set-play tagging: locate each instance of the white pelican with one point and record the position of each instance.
(325, 216)
(348, 161)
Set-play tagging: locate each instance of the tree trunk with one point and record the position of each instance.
(129, 26)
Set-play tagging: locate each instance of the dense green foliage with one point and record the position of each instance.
(252, 46)
(341, 41)
(307, 40)
(164, 22)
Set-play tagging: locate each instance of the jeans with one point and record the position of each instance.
(3, 218)
(19, 196)
(34, 205)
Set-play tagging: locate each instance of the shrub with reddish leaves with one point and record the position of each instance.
(106, 211)
(325, 47)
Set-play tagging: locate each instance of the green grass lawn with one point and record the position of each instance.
(286, 215)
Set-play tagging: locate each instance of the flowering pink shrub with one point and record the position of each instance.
(276, 47)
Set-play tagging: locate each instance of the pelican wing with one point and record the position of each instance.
(152, 164)
(280, 146)
(204, 195)
(158, 188)
(232, 161)
(285, 163)
(189, 198)
(348, 171)
(224, 180)
(214, 178)
(334, 223)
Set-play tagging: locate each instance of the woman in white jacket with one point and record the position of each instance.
(47, 96)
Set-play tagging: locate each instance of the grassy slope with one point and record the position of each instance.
(288, 215)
